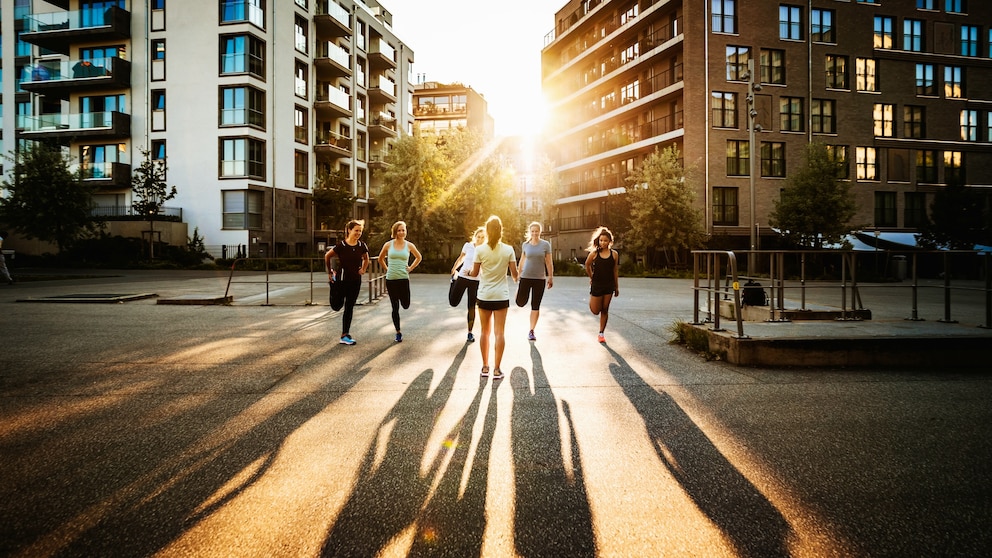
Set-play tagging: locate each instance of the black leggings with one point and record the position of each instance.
(399, 293)
(528, 286)
(351, 291)
(455, 296)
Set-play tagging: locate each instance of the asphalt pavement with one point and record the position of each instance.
(135, 428)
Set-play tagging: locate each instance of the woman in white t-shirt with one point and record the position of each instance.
(492, 259)
(462, 282)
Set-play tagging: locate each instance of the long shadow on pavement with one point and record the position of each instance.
(552, 508)
(750, 523)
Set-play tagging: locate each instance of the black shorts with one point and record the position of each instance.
(601, 289)
(493, 305)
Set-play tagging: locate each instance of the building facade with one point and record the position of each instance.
(900, 91)
(439, 107)
(248, 101)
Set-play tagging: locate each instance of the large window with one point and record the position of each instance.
(97, 161)
(738, 158)
(724, 16)
(884, 32)
(772, 64)
(242, 54)
(823, 116)
(737, 58)
(953, 82)
(866, 163)
(301, 129)
(301, 85)
(926, 166)
(969, 125)
(915, 212)
(955, 6)
(926, 4)
(242, 158)
(241, 106)
(925, 82)
(773, 158)
(236, 11)
(791, 114)
(836, 72)
(725, 212)
(914, 121)
(969, 40)
(867, 79)
(822, 26)
(838, 154)
(882, 114)
(243, 209)
(790, 23)
(953, 167)
(885, 209)
(912, 35)
(301, 169)
(302, 41)
(158, 110)
(724, 109)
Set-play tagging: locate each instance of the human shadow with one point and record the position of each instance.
(552, 515)
(750, 523)
(389, 493)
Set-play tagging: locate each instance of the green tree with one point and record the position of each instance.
(334, 202)
(45, 200)
(960, 218)
(662, 215)
(815, 207)
(148, 184)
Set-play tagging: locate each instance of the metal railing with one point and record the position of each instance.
(275, 273)
(708, 263)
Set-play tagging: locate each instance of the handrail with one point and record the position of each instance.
(713, 293)
(375, 278)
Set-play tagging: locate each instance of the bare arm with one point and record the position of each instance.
(589, 264)
(328, 255)
(382, 255)
(549, 264)
(616, 274)
(475, 269)
(417, 258)
(454, 266)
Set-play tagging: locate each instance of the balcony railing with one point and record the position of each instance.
(56, 31)
(127, 211)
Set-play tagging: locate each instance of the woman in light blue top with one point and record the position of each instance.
(398, 268)
(536, 267)
(492, 259)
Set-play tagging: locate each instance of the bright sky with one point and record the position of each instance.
(492, 47)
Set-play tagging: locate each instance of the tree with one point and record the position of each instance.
(815, 207)
(45, 200)
(662, 215)
(960, 218)
(148, 184)
(334, 203)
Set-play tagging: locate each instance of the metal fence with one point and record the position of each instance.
(268, 272)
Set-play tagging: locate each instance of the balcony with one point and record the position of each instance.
(57, 31)
(381, 55)
(60, 78)
(584, 222)
(328, 145)
(332, 103)
(67, 127)
(332, 20)
(377, 159)
(382, 90)
(383, 126)
(106, 176)
(332, 62)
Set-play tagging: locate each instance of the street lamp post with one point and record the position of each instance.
(751, 129)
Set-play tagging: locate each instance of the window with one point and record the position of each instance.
(302, 35)
(737, 59)
(836, 72)
(885, 209)
(242, 53)
(926, 4)
(912, 35)
(884, 32)
(301, 131)
(914, 121)
(954, 6)
(301, 169)
(953, 82)
(969, 125)
(790, 25)
(925, 84)
(822, 26)
(724, 109)
(882, 117)
(822, 113)
(158, 49)
(772, 64)
(724, 16)
(630, 92)
(738, 158)
(867, 1)
(302, 83)
(953, 167)
(158, 150)
(241, 106)
(838, 154)
(926, 166)
(865, 162)
(915, 212)
(97, 161)
(243, 209)
(773, 158)
(158, 110)
(242, 157)
(725, 206)
(158, 4)
(969, 40)
(791, 114)
(866, 77)
(234, 11)
(988, 126)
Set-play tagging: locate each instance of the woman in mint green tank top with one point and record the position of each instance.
(395, 257)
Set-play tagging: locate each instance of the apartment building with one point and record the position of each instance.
(899, 90)
(247, 100)
(440, 107)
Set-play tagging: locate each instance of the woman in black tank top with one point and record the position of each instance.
(602, 267)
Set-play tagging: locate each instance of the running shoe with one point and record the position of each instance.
(497, 374)
(485, 372)
(470, 338)
(602, 338)
(347, 340)
(531, 336)
(399, 337)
